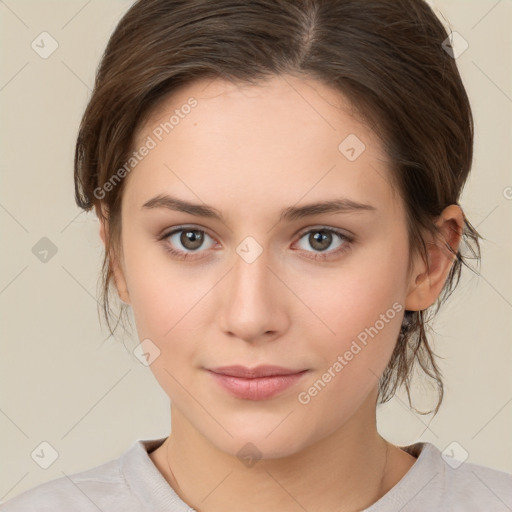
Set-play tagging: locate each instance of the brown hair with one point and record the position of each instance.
(385, 56)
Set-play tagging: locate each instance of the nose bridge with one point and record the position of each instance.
(250, 273)
(251, 307)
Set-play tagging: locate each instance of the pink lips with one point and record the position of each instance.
(258, 383)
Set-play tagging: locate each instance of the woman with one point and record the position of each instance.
(277, 184)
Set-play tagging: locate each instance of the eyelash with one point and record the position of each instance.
(318, 256)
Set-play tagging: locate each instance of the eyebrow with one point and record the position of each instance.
(340, 205)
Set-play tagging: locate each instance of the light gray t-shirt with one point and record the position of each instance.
(132, 483)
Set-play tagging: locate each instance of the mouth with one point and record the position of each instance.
(260, 383)
(251, 373)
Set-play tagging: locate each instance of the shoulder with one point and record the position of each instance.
(473, 487)
(100, 488)
(446, 482)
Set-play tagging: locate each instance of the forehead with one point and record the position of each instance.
(281, 140)
(276, 102)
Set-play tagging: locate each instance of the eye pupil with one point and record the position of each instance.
(191, 239)
(320, 240)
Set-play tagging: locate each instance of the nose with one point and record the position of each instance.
(253, 306)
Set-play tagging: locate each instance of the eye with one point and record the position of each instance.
(321, 239)
(186, 241)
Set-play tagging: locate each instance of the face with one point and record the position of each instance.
(253, 277)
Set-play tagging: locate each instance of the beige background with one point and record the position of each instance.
(90, 400)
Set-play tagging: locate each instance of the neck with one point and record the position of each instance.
(348, 470)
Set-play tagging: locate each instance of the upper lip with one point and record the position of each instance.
(258, 371)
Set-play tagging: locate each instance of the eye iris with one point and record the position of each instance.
(318, 240)
(191, 239)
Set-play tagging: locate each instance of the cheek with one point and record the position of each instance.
(159, 295)
(361, 308)
(167, 304)
(171, 303)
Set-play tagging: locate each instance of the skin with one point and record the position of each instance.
(250, 152)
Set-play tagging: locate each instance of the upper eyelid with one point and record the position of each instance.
(337, 231)
(177, 229)
(300, 232)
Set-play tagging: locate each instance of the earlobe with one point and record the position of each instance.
(102, 231)
(120, 282)
(427, 282)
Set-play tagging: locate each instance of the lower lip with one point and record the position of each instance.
(260, 388)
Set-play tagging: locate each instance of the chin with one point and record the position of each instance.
(252, 444)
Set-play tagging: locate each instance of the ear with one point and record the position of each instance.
(117, 270)
(426, 283)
